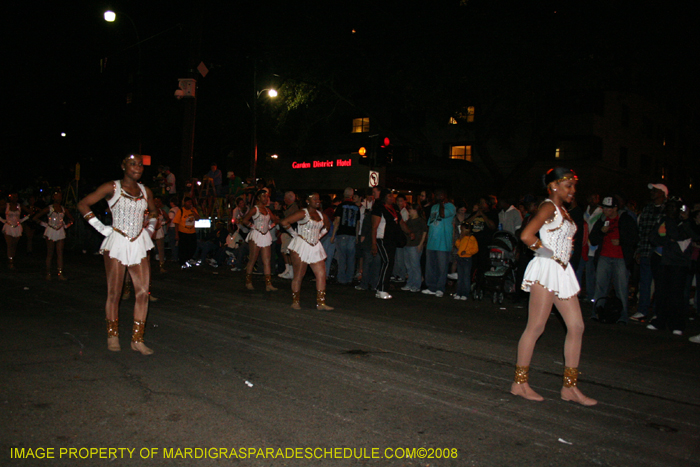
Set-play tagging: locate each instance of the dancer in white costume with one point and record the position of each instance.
(260, 220)
(126, 246)
(12, 228)
(306, 249)
(550, 279)
(55, 232)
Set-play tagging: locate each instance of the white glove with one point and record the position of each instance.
(151, 226)
(100, 227)
(44, 224)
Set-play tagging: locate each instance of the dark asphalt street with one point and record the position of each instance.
(378, 380)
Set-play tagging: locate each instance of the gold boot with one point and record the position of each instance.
(268, 283)
(61, 277)
(520, 386)
(572, 393)
(137, 338)
(295, 300)
(48, 274)
(162, 266)
(249, 282)
(113, 335)
(11, 263)
(321, 301)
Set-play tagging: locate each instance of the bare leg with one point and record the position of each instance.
(266, 257)
(538, 313)
(570, 311)
(59, 259)
(299, 268)
(49, 258)
(141, 278)
(11, 249)
(253, 252)
(319, 269)
(115, 279)
(160, 244)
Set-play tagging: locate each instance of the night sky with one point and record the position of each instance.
(404, 60)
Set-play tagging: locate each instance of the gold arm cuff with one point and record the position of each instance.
(535, 246)
(89, 216)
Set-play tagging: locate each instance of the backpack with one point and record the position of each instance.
(608, 309)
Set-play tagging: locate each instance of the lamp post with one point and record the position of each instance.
(111, 17)
(256, 95)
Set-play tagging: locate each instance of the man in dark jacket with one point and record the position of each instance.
(617, 235)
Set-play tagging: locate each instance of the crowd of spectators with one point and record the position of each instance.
(646, 255)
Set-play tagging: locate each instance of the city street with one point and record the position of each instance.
(369, 383)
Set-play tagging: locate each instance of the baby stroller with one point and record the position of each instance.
(499, 277)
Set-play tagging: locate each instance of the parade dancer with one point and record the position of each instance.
(550, 279)
(306, 249)
(55, 232)
(260, 220)
(13, 227)
(125, 246)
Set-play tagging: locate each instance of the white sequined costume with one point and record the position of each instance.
(55, 230)
(129, 242)
(555, 273)
(307, 241)
(260, 233)
(12, 226)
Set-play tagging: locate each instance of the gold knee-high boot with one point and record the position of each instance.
(268, 283)
(321, 301)
(137, 338)
(295, 300)
(113, 335)
(249, 281)
(61, 277)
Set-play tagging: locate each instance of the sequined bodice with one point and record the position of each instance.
(261, 222)
(558, 236)
(309, 229)
(55, 219)
(128, 211)
(12, 217)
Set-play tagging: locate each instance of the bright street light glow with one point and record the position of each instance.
(274, 156)
(110, 16)
(272, 93)
(63, 134)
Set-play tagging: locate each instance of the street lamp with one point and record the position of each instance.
(254, 157)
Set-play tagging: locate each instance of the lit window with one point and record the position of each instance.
(453, 121)
(461, 152)
(557, 153)
(470, 114)
(360, 125)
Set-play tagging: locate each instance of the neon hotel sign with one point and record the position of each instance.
(322, 164)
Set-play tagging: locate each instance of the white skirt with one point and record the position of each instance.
(309, 254)
(12, 230)
(55, 235)
(262, 240)
(128, 253)
(550, 275)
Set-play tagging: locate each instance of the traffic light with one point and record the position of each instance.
(385, 153)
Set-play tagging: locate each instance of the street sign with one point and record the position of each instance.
(373, 178)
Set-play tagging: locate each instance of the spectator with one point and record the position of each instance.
(673, 237)
(370, 263)
(399, 272)
(467, 247)
(414, 247)
(172, 229)
(170, 185)
(185, 235)
(616, 234)
(439, 244)
(649, 263)
(509, 218)
(347, 216)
